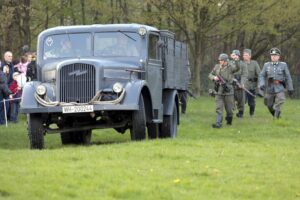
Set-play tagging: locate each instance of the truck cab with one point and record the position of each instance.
(121, 76)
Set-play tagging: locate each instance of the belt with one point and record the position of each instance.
(252, 79)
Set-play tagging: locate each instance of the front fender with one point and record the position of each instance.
(28, 100)
(133, 90)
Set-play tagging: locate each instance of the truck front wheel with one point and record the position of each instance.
(35, 131)
(138, 129)
(169, 126)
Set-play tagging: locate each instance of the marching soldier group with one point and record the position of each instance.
(236, 82)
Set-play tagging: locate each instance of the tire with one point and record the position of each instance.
(168, 129)
(138, 129)
(35, 131)
(76, 137)
(153, 130)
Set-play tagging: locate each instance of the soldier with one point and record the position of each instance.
(252, 83)
(241, 77)
(222, 75)
(275, 77)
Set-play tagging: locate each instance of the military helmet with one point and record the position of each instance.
(275, 51)
(223, 56)
(236, 52)
(248, 51)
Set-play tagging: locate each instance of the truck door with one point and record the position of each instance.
(154, 74)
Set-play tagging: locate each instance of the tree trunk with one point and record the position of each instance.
(26, 23)
(73, 12)
(83, 12)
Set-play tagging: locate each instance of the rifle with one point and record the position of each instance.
(191, 94)
(242, 87)
(222, 82)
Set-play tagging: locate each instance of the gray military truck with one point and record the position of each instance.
(121, 76)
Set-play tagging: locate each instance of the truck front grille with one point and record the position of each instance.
(77, 83)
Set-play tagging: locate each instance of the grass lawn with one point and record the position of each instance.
(255, 158)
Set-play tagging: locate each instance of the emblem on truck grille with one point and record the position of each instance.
(77, 73)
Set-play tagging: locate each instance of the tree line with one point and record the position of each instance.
(209, 27)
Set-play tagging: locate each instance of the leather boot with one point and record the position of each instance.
(218, 123)
(277, 114)
(251, 110)
(240, 114)
(229, 120)
(272, 111)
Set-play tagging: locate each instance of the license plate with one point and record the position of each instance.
(77, 109)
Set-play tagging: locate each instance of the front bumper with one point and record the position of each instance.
(58, 109)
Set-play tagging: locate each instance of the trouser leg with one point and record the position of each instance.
(2, 117)
(251, 102)
(219, 110)
(240, 99)
(14, 110)
(7, 107)
(279, 101)
(269, 102)
(183, 101)
(228, 102)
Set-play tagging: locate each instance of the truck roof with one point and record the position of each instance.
(97, 27)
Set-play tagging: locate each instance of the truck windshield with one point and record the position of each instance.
(67, 45)
(117, 44)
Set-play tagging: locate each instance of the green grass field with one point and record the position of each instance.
(256, 158)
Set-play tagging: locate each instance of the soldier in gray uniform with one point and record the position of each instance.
(252, 83)
(241, 77)
(222, 75)
(275, 77)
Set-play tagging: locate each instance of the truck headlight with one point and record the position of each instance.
(41, 90)
(117, 87)
(142, 31)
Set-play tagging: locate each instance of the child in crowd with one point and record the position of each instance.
(16, 90)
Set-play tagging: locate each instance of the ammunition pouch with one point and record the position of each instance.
(212, 92)
(226, 89)
(252, 79)
(216, 88)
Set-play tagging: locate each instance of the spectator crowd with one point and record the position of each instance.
(13, 76)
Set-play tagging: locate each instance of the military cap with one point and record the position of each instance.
(223, 56)
(275, 51)
(236, 52)
(248, 51)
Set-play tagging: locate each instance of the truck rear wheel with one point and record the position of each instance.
(76, 137)
(35, 131)
(169, 126)
(138, 129)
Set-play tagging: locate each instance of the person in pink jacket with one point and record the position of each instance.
(22, 65)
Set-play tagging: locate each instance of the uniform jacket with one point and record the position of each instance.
(242, 74)
(226, 73)
(253, 74)
(273, 72)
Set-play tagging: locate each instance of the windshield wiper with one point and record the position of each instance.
(127, 35)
